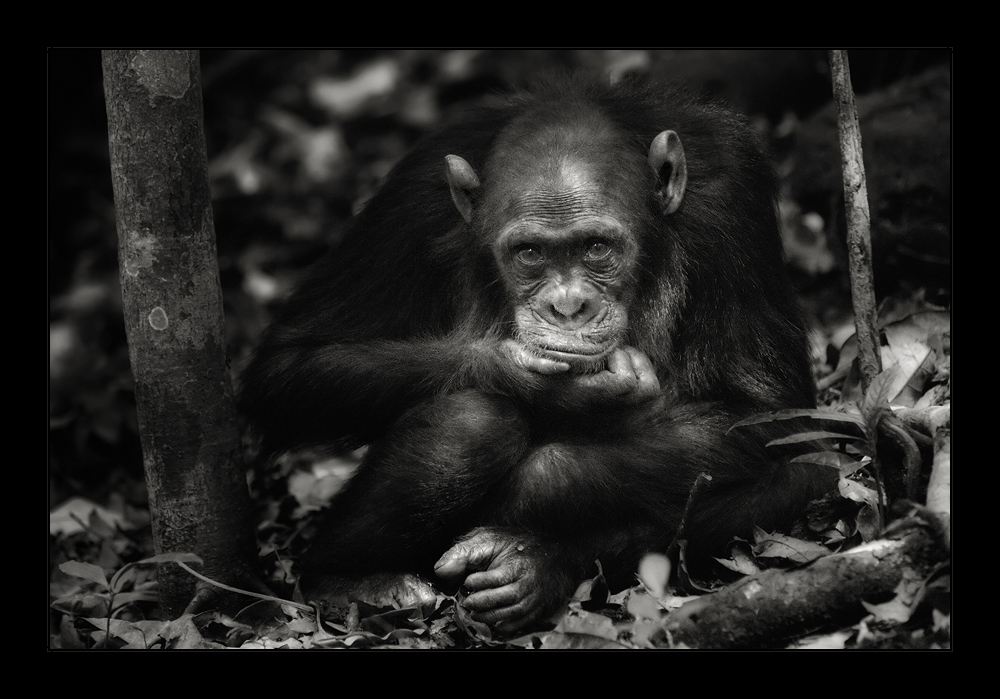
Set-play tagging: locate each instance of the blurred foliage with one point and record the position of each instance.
(299, 140)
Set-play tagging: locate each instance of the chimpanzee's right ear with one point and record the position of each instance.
(666, 157)
(462, 181)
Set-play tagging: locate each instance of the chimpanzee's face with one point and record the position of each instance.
(567, 262)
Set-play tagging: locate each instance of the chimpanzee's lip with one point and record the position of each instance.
(595, 355)
(598, 351)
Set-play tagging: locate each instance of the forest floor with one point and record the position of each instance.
(298, 141)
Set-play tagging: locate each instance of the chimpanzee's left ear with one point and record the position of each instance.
(462, 181)
(666, 157)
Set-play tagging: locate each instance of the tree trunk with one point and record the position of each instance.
(172, 301)
(859, 242)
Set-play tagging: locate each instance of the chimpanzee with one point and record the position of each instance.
(544, 324)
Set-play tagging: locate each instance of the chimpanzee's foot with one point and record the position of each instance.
(398, 590)
(513, 582)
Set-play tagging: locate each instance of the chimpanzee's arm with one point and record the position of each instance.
(344, 395)
(299, 391)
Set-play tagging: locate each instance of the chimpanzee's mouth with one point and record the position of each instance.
(575, 353)
(590, 357)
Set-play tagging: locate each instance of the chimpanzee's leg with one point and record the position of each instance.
(614, 497)
(643, 476)
(419, 488)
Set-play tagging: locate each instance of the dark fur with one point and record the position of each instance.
(396, 337)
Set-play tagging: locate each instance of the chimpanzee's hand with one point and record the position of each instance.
(529, 361)
(628, 382)
(511, 581)
(629, 378)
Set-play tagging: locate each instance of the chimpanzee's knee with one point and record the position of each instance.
(473, 417)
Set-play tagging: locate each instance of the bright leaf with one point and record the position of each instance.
(654, 571)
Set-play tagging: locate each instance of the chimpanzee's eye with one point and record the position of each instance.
(528, 254)
(597, 250)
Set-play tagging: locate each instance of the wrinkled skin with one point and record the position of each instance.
(506, 577)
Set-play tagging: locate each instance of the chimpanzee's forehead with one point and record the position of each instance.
(560, 185)
(554, 208)
(563, 150)
(557, 188)
(559, 175)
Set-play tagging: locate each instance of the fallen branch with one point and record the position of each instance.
(935, 423)
(939, 487)
(768, 609)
